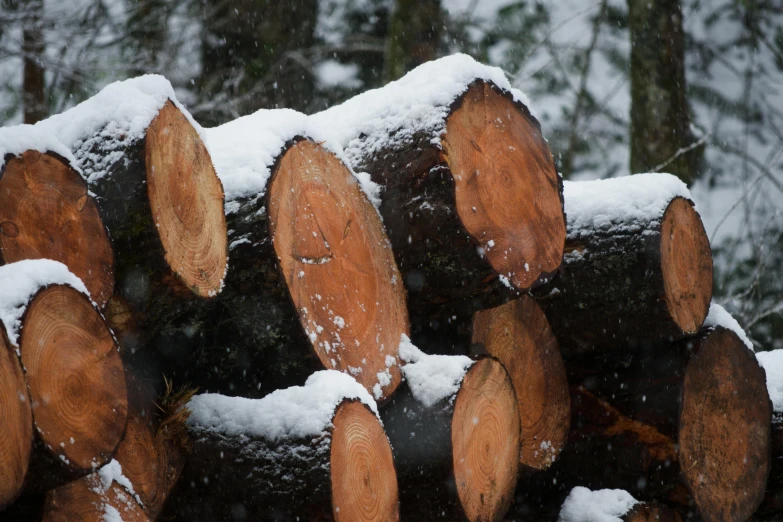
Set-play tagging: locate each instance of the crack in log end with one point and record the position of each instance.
(686, 265)
(338, 267)
(186, 198)
(506, 187)
(45, 213)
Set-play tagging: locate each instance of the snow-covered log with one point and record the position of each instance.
(637, 265)
(312, 281)
(687, 423)
(317, 452)
(104, 496)
(157, 193)
(154, 447)
(518, 335)
(72, 368)
(470, 195)
(455, 433)
(612, 505)
(772, 362)
(46, 211)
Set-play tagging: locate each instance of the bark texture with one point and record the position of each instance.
(622, 288)
(660, 116)
(235, 477)
(414, 36)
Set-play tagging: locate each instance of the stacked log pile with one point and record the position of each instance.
(391, 310)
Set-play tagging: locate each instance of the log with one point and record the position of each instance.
(518, 335)
(157, 193)
(637, 268)
(46, 212)
(98, 497)
(154, 448)
(16, 428)
(685, 423)
(470, 195)
(312, 281)
(316, 452)
(72, 367)
(456, 447)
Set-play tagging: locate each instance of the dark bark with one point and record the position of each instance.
(414, 36)
(33, 48)
(421, 438)
(248, 340)
(660, 116)
(612, 291)
(771, 509)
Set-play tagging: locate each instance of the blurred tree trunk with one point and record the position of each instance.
(147, 33)
(415, 29)
(256, 52)
(660, 117)
(33, 47)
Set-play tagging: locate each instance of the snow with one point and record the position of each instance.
(296, 412)
(244, 150)
(605, 505)
(20, 281)
(432, 378)
(621, 204)
(15, 140)
(113, 119)
(418, 102)
(331, 74)
(112, 472)
(718, 316)
(772, 362)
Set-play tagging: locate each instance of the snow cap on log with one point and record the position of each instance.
(121, 113)
(432, 378)
(718, 316)
(418, 102)
(20, 281)
(604, 505)
(296, 412)
(245, 150)
(772, 362)
(622, 204)
(20, 138)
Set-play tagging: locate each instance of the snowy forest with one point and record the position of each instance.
(382, 260)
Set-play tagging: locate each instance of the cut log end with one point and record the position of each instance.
(46, 213)
(725, 425)
(338, 266)
(186, 198)
(79, 402)
(364, 481)
(686, 265)
(16, 426)
(485, 441)
(506, 186)
(519, 336)
(84, 500)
